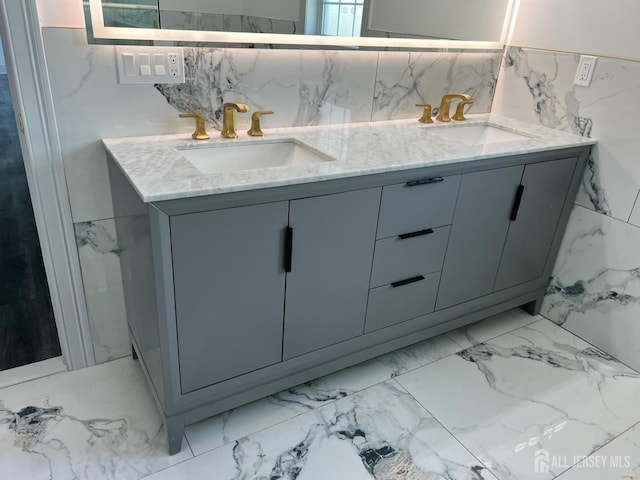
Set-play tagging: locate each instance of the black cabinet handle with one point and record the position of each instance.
(288, 248)
(407, 281)
(516, 203)
(424, 181)
(419, 233)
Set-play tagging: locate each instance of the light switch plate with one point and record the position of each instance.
(150, 65)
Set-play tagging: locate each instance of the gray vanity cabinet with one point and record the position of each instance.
(479, 228)
(543, 190)
(504, 223)
(332, 249)
(227, 273)
(232, 297)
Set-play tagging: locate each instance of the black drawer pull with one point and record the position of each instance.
(425, 181)
(407, 281)
(288, 248)
(419, 233)
(516, 203)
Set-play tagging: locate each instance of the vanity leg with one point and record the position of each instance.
(175, 432)
(533, 307)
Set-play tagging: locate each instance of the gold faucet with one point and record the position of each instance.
(228, 118)
(426, 113)
(255, 130)
(200, 132)
(445, 106)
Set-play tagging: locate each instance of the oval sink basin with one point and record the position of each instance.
(479, 134)
(249, 156)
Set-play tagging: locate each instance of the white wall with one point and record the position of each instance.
(61, 13)
(606, 28)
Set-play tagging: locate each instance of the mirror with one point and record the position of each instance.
(325, 23)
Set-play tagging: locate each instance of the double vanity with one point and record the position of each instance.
(257, 264)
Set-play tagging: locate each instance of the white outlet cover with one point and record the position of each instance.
(173, 72)
(584, 73)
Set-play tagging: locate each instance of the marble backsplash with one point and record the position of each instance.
(595, 288)
(303, 87)
(313, 87)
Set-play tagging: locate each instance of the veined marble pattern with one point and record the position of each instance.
(619, 459)
(302, 87)
(538, 86)
(96, 423)
(79, 75)
(380, 433)
(595, 288)
(100, 265)
(405, 79)
(492, 327)
(235, 424)
(536, 388)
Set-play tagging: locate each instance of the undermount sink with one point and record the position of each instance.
(248, 156)
(479, 134)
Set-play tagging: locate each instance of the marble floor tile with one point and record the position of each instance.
(420, 354)
(242, 421)
(380, 433)
(26, 373)
(492, 327)
(535, 388)
(96, 423)
(618, 459)
(237, 423)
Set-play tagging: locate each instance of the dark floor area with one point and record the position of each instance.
(27, 326)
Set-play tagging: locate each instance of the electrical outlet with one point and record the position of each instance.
(584, 74)
(173, 59)
(174, 70)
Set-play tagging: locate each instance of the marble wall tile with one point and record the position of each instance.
(594, 290)
(538, 86)
(302, 87)
(100, 264)
(404, 79)
(89, 105)
(595, 287)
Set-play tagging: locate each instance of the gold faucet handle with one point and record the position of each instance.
(459, 115)
(255, 130)
(200, 132)
(426, 114)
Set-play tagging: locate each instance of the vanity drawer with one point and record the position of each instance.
(408, 255)
(389, 305)
(416, 205)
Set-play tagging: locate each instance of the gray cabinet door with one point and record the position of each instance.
(332, 252)
(229, 291)
(545, 187)
(478, 233)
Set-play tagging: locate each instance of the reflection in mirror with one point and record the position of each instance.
(454, 20)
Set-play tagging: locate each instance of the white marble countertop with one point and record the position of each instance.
(159, 171)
